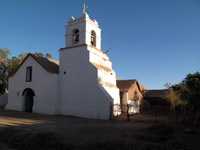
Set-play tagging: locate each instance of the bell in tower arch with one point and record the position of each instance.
(75, 37)
(93, 38)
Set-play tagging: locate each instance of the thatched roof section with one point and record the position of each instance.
(118, 79)
(155, 93)
(142, 87)
(48, 64)
(101, 67)
(125, 85)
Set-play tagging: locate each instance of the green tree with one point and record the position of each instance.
(21, 57)
(14, 63)
(187, 92)
(9, 66)
(39, 54)
(191, 93)
(186, 95)
(48, 55)
(174, 95)
(4, 53)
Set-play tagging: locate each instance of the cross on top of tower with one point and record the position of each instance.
(84, 7)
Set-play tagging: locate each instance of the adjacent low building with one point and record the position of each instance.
(130, 93)
(156, 97)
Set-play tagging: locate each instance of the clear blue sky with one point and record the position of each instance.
(158, 41)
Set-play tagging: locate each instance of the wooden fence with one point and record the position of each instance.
(155, 114)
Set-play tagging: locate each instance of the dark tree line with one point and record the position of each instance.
(186, 96)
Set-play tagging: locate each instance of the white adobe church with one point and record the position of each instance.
(81, 84)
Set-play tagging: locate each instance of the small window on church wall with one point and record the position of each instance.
(93, 38)
(75, 35)
(28, 74)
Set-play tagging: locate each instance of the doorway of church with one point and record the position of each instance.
(28, 100)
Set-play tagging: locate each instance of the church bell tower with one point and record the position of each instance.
(81, 31)
(87, 83)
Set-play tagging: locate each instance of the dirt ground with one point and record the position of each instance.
(27, 131)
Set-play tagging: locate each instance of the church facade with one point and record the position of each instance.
(81, 84)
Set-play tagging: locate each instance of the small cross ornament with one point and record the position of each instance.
(84, 7)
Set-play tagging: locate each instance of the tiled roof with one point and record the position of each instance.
(125, 85)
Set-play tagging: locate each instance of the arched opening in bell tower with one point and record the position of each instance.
(93, 38)
(75, 37)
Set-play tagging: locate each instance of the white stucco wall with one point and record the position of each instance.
(134, 107)
(113, 92)
(93, 25)
(80, 92)
(99, 57)
(44, 85)
(77, 24)
(107, 77)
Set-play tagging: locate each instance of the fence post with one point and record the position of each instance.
(156, 113)
(128, 119)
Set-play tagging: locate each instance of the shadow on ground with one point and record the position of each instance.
(27, 131)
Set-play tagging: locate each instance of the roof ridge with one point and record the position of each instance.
(49, 66)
